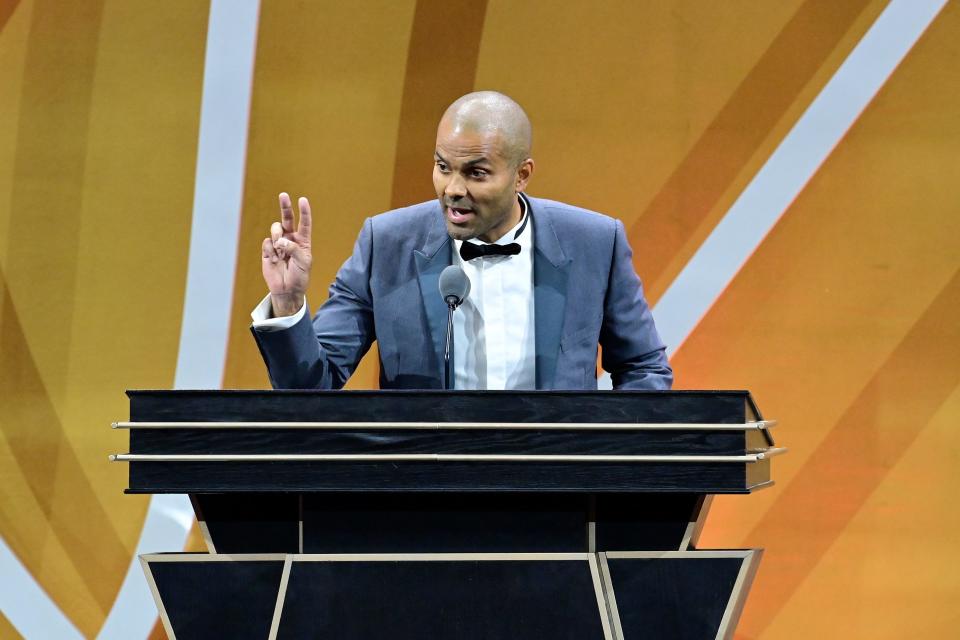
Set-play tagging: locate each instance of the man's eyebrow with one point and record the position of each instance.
(468, 163)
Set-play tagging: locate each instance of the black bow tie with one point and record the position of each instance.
(469, 250)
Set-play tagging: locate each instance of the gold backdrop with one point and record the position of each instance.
(844, 322)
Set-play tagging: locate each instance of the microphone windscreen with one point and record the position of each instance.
(454, 282)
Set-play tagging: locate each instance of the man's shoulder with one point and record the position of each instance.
(420, 216)
(568, 217)
(406, 228)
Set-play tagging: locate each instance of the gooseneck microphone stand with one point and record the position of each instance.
(452, 302)
(454, 288)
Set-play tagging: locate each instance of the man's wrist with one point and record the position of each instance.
(286, 304)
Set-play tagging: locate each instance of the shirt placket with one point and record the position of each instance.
(494, 317)
(475, 330)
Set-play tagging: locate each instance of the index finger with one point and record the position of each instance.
(306, 220)
(286, 213)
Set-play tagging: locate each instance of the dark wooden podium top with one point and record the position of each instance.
(489, 441)
(722, 407)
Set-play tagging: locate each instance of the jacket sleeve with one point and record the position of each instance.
(323, 353)
(633, 352)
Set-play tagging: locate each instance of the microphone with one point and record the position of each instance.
(454, 288)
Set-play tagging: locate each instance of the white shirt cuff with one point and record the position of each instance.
(263, 319)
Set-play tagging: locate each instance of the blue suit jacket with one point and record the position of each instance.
(586, 293)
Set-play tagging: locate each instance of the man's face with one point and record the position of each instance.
(476, 184)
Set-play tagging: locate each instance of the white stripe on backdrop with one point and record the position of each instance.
(217, 202)
(790, 167)
(798, 157)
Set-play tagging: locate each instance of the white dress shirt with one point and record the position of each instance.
(493, 330)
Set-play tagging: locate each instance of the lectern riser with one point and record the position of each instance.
(446, 522)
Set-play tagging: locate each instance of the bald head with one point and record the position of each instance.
(492, 113)
(481, 162)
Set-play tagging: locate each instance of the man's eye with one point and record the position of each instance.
(478, 173)
(442, 167)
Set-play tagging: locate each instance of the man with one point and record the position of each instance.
(549, 282)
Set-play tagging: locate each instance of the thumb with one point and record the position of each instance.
(292, 249)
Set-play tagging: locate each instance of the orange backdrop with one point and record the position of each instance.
(843, 322)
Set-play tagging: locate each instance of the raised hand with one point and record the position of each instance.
(287, 257)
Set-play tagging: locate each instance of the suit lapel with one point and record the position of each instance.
(433, 258)
(551, 269)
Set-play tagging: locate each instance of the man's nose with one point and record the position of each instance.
(456, 187)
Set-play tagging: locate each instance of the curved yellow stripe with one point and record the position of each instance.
(106, 137)
(144, 137)
(322, 124)
(431, 82)
(13, 50)
(48, 167)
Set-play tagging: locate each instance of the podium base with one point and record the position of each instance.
(467, 596)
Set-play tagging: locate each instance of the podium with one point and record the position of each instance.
(449, 514)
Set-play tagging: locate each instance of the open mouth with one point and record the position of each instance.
(458, 216)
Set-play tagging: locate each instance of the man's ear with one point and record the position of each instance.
(524, 171)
